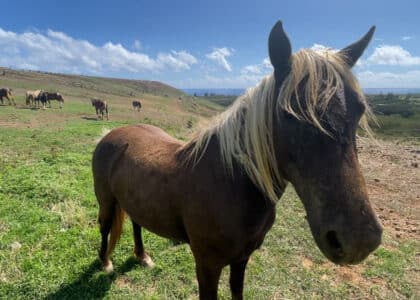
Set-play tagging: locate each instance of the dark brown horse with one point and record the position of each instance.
(101, 107)
(136, 105)
(46, 97)
(219, 191)
(7, 93)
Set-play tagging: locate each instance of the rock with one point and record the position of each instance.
(15, 245)
(415, 165)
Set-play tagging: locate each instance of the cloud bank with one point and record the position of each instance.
(58, 52)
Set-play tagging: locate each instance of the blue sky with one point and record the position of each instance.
(204, 44)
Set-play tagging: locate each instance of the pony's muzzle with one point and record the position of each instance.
(352, 249)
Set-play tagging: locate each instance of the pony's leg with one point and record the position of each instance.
(105, 225)
(139, 252)
(11, 101)
(208, 280)
(237, 274)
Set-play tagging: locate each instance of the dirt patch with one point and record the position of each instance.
(393, 181)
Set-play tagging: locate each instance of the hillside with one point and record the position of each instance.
(78, 85)
(162, 104)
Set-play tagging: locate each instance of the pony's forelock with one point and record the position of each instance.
(245, 130)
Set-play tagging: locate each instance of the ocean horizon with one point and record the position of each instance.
(240, 91)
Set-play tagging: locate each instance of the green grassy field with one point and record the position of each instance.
(49, 235)
(398, 115)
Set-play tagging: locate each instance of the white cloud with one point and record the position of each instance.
(219, 55)
(393, 55)
(406, 38)
(178, 61)
(264, 67)
(267, 63)
(251, 69)
(58, 52)
(320, 47)
(410, 79)
(137, 45)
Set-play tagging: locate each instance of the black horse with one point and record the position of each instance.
(45, 97)
(136, 105)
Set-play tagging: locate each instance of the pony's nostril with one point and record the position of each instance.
(334, 243)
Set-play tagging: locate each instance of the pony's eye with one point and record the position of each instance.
(288, 116)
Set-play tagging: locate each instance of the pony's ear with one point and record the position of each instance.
(353, 52)
(279, 48)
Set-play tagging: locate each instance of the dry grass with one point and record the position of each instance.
(393, 178)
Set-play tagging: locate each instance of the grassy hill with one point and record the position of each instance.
(162, 104)
(87, 86)
(49, 235)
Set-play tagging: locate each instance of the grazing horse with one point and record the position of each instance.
(100, 106)
(219, 191)
(45, 97)
(55, 96)
(136, 105)
(7, 93)
(32, 96)
(42, 98)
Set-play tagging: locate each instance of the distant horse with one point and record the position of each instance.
(42, 98)
(55, 96)
(7, 93)
(219, 191)
(101, 107)
(136, 105)
(32, 96)
(46, 97)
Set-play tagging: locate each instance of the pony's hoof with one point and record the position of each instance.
(108, 267)
(147, 262)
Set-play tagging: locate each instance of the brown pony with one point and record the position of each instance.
(100, 106)
(7, 93)
(219, 191)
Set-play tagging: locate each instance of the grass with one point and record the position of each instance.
(49, 236)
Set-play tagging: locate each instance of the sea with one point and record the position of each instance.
(239, 91)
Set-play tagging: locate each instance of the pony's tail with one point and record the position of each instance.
(116, 228)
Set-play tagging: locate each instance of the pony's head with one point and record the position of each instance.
(318, 107)
(299, 125)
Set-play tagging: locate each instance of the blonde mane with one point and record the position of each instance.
(245, 130)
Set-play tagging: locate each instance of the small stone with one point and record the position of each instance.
(15, 245)
(415, 165)
(376, 180)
